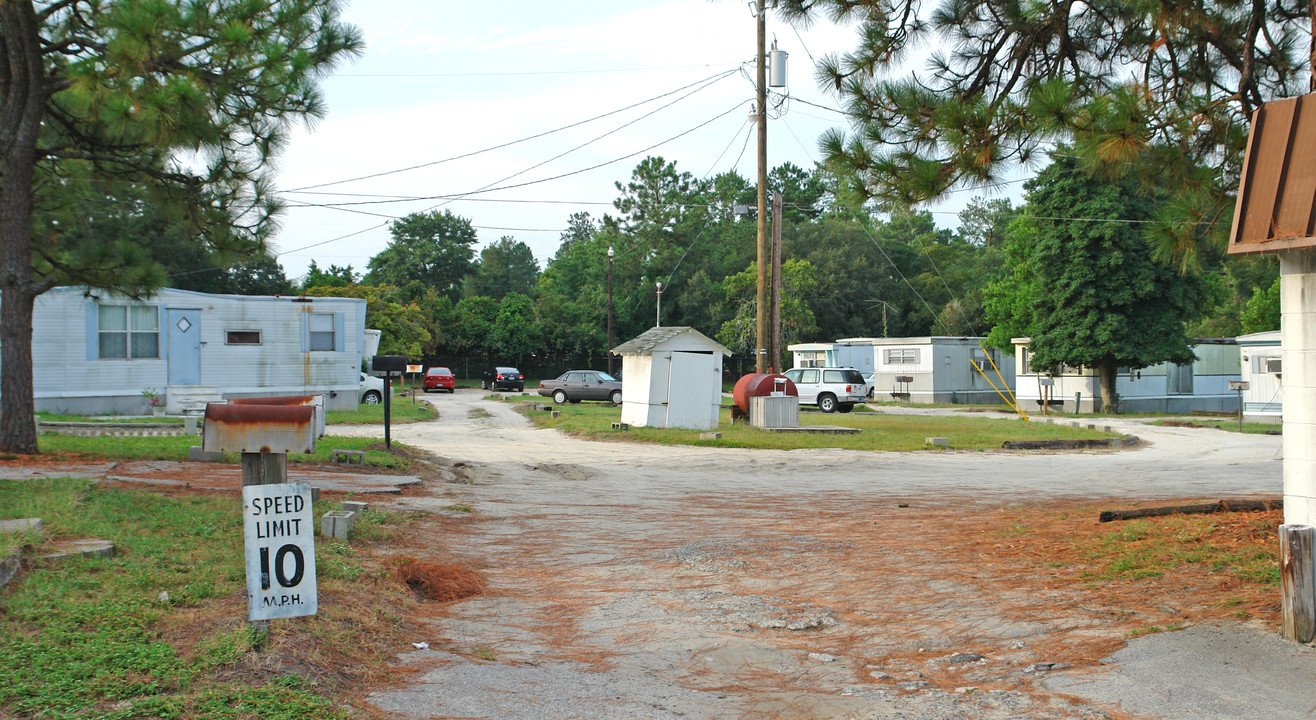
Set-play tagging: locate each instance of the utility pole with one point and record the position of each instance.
(764, 252)
(658, 307)
(609, 348)
(774, 319)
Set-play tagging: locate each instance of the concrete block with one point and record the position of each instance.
(1299, 368)
(337, 523)
(620, 426)
(315, 494)
(355, 506)
(347, 457)
(1092, 426)
(1299, 476)
(196, 454)
(8, 569)
(938, 442)
(556, 413)
(1299, 440)
(1105, 428)
(82, 549)
(1299, 510)
(22, 525)
(710, 436)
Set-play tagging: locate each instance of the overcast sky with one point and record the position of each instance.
(439, 80)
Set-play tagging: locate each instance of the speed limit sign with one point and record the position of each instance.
(279, 530)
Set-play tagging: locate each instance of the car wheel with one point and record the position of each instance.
(559, 396)
(615, 397)
(520, 388)
(452, 390)
(427, 390)
(827, 403)
(372, 397)
(484, 384)
(844, 407)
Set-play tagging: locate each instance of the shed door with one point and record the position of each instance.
(688, 383)
(184, 328)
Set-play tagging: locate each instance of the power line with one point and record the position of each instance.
(456, 196)
(710, 80)
(508, 187)
(526, 72)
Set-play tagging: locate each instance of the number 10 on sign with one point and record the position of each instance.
(279, 530)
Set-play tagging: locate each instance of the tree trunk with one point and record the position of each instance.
(1107, 376)
(22, 106)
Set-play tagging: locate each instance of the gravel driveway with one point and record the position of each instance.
(640, 581)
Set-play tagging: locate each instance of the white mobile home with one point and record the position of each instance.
(94, 352)
(921, 369)
(1202, 385)
(671, 377)
(1263, 399)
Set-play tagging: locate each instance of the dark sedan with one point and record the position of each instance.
(503, 378)
(577, 385)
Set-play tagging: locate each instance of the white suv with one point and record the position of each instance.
(831, 389)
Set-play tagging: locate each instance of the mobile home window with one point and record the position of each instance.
(901, 356)
(241, 337)
(127, 332)
(321, 331)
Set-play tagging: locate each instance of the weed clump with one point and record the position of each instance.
(439, 581)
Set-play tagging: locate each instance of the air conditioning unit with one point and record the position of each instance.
(1273, 366)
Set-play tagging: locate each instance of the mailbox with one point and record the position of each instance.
(259, 428)
(314, 401)
(388, 364)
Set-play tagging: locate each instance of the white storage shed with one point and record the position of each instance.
(94, 352)
(671, 377)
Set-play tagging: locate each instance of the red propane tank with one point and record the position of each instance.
(759, 385)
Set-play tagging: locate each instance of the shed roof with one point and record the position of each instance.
(654, 338)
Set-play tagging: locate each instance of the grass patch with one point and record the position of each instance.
(402, 410)
(96, 637)
(57, 446)
(1249, 428)
(1228, 563)
(879, 431)
(55, 417)
(1151, 547)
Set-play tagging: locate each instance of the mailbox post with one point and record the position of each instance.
(388, 364)
(1240, 386)
(278, 530)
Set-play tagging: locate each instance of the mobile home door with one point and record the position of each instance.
(184, 327)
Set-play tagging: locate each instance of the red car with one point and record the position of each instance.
(440, 378)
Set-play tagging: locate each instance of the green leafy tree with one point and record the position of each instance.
(333, 276)
(473, 320)
(428, 250)
(515, 330)
(261, 275)
(506, 266)
(1261, 312)
(95, 93)
(1159, 91)
(1094, 295)
(571, 293)
(739, 333)
(402, 326)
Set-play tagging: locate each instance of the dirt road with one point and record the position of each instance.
(634, 581)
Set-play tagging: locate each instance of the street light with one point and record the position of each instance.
(608, 350)
(658, 309)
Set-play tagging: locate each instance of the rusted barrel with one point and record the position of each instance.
(759, 385)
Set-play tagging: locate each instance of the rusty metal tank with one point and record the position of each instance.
(759, 385)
